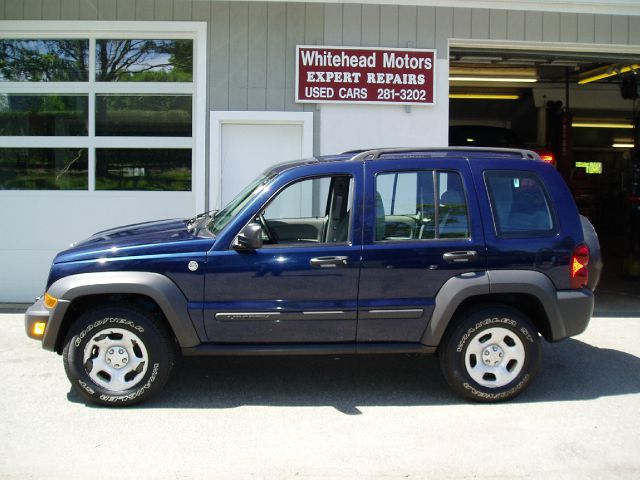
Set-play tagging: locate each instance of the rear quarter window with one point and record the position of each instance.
(519, 204)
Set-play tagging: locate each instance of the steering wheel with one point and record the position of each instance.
(266, 229)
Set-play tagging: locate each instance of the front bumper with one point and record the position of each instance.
(52, 317)
(36, 313)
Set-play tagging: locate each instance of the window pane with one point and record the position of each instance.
(45, 115)
(519, 204)
(297, 200)
(143, 115)
(143, 169)
(408, 207)
(313, 210)
(405, 206)
(144, 60)
(43, 169)
(452, 211)
(44, 60)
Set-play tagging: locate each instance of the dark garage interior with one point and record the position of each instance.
(578, 110)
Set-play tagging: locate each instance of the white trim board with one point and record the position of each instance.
(567, 47)
(607, 7)
(219, 118)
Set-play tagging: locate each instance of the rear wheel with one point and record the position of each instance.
(491, 354)
(117, 356)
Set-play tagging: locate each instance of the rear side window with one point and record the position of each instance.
(520, 204)
(420, 205)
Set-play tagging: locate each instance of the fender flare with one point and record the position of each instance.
(454, 291)
(160, 288)
(457, 289)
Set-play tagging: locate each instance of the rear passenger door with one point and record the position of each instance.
(422, 227)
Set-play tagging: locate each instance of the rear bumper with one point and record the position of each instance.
(575, 308)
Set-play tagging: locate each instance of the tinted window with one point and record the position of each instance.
(420, 205)
(519, 204)
(452, 207)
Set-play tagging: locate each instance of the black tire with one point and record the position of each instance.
(491, 353)
(117, 356)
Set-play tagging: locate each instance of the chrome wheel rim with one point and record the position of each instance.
(494, 357)
(115, 359)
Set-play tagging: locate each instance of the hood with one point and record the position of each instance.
(149, 238)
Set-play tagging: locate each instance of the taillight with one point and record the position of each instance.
(547, 156)
(579, 275)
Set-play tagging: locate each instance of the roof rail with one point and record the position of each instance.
(379, 152)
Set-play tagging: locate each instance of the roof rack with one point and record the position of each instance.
(379, 152)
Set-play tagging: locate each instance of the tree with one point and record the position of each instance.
(44, 60)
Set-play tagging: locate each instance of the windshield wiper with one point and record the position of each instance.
(194, 224)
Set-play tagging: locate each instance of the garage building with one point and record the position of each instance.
(122, 111)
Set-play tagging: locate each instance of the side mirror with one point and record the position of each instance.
(250, 238)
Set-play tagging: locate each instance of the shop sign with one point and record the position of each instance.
(365, 75)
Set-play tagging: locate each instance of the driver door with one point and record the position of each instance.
(301, 286)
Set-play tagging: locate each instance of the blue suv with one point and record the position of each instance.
(473, 254)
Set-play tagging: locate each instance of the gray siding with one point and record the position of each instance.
(251, 45)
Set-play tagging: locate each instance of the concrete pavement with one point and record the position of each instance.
(326, 418)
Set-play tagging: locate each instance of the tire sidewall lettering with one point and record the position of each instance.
(486, 322)
(101, 321)
(109, 320)
(498, 396)
(137, 393)
(86, 387)
(471, 325)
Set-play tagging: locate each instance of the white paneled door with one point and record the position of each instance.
(244, 144)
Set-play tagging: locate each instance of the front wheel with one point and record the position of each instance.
(492, 354)
(117, 356)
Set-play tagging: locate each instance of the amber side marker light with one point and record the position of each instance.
(38, 328)
(50, 301)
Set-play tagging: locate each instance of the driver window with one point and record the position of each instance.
(314, 210)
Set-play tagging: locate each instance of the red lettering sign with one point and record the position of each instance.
(365, 75)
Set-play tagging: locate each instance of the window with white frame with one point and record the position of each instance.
(97, 110)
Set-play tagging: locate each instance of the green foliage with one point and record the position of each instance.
(43, 169)
(143, 169)
(144, 60)
(44, 60)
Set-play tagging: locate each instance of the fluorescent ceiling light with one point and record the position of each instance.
(601, 125)
(611, 71)
(493, 79)
(623, 145)
(484, 96)
(492, 74)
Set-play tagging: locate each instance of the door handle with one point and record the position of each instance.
(329, 262)
(460, 257)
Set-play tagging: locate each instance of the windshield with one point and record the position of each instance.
(228, 213)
